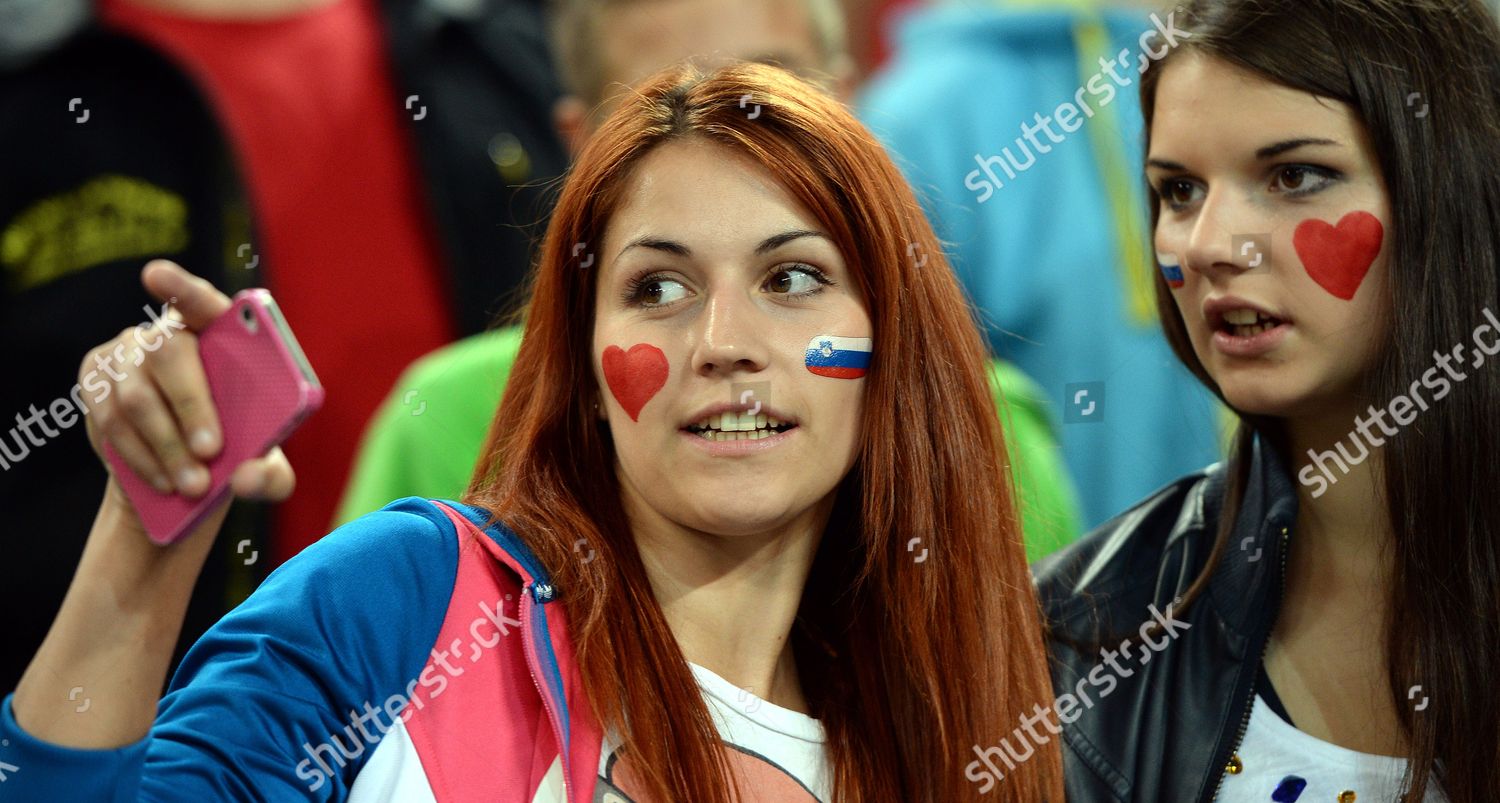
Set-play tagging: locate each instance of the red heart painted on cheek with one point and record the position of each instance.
(1337, 258)
(635, 376)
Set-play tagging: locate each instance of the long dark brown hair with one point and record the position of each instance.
(1424, 78)
(908, 665)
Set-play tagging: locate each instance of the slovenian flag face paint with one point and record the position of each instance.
(1170, 269)
(839, 357)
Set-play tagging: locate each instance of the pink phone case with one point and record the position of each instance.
(262, 387)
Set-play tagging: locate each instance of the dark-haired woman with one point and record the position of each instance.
(1318, 618)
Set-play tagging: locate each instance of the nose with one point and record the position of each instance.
(731, 336)
(1220, 222)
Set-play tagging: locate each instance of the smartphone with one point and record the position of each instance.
(263, 388)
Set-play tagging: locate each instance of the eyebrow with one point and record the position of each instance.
(766, 246)
(1272, 151)
(1262, 154)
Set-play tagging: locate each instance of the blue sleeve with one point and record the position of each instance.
(347, 622)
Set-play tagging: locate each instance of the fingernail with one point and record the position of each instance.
(203, 442)
(189, 478)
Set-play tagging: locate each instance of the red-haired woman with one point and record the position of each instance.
(742, 523)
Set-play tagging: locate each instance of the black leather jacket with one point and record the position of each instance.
(1160, 717)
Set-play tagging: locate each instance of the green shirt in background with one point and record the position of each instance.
(425, 438)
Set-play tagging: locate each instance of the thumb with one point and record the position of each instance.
(194, 298)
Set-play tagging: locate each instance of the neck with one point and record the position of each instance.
(233, 10)
(1343, 527)
(730, 601)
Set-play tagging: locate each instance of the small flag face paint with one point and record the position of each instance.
(839, 357)
(1171, 269)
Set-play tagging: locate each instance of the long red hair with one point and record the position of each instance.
(908, 665)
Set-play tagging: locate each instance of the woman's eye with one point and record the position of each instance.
(797, 280)
(656, 291)
(1301, 179)
(1178, 193)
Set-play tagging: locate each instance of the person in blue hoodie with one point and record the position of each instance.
(1020, 128)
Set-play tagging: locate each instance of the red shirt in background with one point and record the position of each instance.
(310, 108)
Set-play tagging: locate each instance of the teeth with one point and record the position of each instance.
(1241, 317)
(720, 435)
(738, 426)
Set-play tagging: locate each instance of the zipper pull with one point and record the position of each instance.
(543, 592)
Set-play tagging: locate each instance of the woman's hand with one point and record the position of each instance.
(158, 415)
(119, 623)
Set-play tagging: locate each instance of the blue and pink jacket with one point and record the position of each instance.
(411, 655)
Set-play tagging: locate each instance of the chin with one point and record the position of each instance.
(731, 518)
(1253, 389)
(1257, 404)
(1265, 396)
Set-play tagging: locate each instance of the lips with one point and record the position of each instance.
(739, 426)
(1227, 313)
(1243, 328)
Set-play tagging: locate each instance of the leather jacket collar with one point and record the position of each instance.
(1161, 723)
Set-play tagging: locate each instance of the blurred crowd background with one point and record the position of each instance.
(385, 167)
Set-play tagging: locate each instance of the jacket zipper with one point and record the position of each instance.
(541, 594)
(1250, 701)
(535, 594)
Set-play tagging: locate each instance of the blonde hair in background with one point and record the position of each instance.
(574, 27)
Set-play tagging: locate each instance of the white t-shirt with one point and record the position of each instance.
(1282, 764)
(777, 752)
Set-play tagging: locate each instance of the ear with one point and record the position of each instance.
(570, 117)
